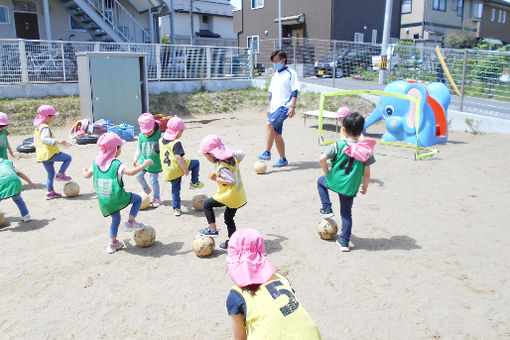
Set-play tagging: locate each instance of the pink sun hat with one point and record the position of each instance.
(173, 127)
(214, 145)
(247, 259)
(361, 150)
(3, 119)
(42, 112)
(146, 122)
(342, 112)
(108, 143)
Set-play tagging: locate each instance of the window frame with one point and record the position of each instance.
(504, 17)
(75, 29)
(493, 14)
(252, 2)
(357, 36)
(8, 15)
(477, 10)
(255, 51)
(460, 8)
(410, 3)
(439, 7)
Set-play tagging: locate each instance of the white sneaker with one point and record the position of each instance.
(133, 226)
(26, 218)
(113, 247)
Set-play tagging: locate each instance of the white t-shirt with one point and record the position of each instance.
(283, 83)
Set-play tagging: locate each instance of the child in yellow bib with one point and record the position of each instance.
(174, 164)
(47, 151)
(262, 304)
(230, 186)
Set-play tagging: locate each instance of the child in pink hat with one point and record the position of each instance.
(4, 143)
(350, 167)
(147, 139)
(111, 195)
(174, 164)
(230, 192)
(261, 303)
(47, 151)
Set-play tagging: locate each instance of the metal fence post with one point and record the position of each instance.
(294, 53)
(333, 72)
(63, 60)
(208, 62)
(461, 106)
(96, 47)
(250, 53)
(23, 61)
(158, 62)
(184, 52)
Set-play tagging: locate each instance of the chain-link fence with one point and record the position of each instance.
(476, 73)
(24, 61)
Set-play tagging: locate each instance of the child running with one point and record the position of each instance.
(147, 139)
(174, 164)
(107, 171)
(261, 303)
(350, 166)
(10, 186)
(230, 187)
(47, 151)
(4, 143)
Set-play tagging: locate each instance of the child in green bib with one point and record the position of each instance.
(10, 186)
(350, 166)
(147, 139)
(111, 195)
(4, 143)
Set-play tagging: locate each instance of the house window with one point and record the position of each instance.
(4, 15)
(75, 25)
(477, 10)
(257, 4)
(374, 36)
(439, 5)
(407, 6)
(253, 42)
(358, 37)
(493, 14)
(502, 16)
(205, 19)
(503, 20)
(460, 7)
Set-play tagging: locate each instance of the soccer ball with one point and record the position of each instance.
(71, 189)
(327, 228)
(203, 245)
(145, 237)
(260, 167)
(146, 199)
(198, 201)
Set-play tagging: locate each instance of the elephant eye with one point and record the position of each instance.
(389, 110)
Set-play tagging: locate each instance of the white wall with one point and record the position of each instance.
(223, 26)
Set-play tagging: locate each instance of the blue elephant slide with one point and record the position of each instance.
(400, 114)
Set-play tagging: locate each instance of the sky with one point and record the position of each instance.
(236, 3)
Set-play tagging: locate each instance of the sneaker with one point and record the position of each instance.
(177, 212)
(344, 246)
(156, 202)
(265, 156)
(327, 213)
(196, 185)
(62, 178)
(113, 247)
(133, 226)
(52, 194)
(224, 245)
(148, 191)
(26, 218)
(281, 162)
(208, 231)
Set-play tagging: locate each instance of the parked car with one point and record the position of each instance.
(345, 63)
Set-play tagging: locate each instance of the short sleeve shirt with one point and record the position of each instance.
(283, 83)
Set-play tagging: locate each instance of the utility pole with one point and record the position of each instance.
(279, 24)
(191, 21)
(172, 26)
(385, 39)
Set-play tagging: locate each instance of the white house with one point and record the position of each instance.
(212, 22)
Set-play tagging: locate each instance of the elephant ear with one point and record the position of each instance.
(362, 150)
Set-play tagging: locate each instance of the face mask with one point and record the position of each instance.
(278, 66)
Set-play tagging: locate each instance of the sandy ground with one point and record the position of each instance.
(430, 256)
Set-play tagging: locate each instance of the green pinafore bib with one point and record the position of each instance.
(109, 190)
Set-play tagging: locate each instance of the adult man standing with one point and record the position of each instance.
(282, 104)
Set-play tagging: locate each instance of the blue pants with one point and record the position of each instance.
(136, 200)
(194, 167)
(50, 169)
(154, 181)
(21, 204)
(345, 208)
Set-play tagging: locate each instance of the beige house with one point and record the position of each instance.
(428, 20)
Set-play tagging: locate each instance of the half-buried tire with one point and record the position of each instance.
(87, 139)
